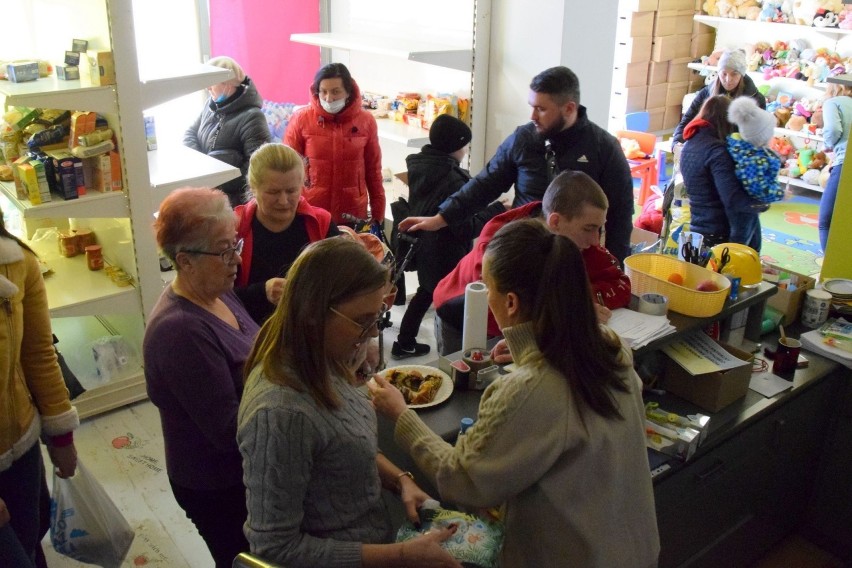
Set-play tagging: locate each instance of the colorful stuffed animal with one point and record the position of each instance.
(726, 8)
(818, 161)
(806, 155)
(823, 176)
(845, 18)
(796, 123)
(804, 11)
(811, 177)
(781, 145)
(769, 10)
(710, 8)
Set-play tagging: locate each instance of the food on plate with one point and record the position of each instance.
(415, 387)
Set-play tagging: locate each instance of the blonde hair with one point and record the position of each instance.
(837, 90)
(226, 62)
(276, 157)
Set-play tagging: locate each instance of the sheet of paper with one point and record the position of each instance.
(768, 384)
(699, 354)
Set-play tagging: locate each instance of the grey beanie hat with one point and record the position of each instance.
(754, 124)
(733, 59)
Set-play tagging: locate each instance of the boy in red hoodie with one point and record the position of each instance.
(574, 206)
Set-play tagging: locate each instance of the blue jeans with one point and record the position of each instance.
(20, 487)
(826, 204)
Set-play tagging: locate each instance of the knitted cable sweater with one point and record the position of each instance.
(313, 488)
(576, 485)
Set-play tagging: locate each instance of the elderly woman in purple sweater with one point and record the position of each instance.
(197, 338)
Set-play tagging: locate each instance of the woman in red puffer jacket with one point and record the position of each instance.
(340, 143)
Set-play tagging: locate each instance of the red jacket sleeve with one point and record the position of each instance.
(606, 277)
(373, 171)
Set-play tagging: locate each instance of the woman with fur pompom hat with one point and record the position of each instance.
(755, 165)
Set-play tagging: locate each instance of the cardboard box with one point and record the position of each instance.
(81, 123)
(666, 48)
(655, 119)
(633, 49)
(788, 302)
(637, 5)
(634, 24)
(675, 93)
(672, 22)
(701, 44)
(639, 236)
(710, 391)
(656, 96)
(663, 5)
(678, 71)
(672, 116)
(20, 72)
(107, 172)
(630, 75)
(657, 72)
(101, 68)
(629, 99)
(68, 72)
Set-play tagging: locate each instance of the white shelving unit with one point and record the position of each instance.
(95, 305)
(360, 33)
(734, 32)
(453, 57)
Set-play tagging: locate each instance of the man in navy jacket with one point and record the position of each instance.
(559, 137)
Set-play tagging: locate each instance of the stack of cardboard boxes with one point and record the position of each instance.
(656, 39)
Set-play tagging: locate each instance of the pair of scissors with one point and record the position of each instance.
(724, 259)
(690, 253)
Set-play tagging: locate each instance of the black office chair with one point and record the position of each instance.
(246, 560)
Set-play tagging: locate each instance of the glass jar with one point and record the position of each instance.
(94, 257)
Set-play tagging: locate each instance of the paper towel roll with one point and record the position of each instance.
(475, 330)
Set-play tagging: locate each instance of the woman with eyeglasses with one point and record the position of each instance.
(308, 435)
(196, 342)
(275, 225)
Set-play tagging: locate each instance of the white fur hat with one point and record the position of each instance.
(755, 124)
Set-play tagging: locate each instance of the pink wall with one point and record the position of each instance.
(257, 35)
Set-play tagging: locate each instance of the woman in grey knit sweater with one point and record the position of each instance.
(560, 439)
(308, 437)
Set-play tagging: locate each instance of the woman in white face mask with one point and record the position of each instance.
(340, 143)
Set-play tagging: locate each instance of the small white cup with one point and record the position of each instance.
(815, 310)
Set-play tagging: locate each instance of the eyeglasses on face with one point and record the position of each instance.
(365, 329)
(226, 255)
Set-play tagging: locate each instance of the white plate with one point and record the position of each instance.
(444, 391)
(838, 286)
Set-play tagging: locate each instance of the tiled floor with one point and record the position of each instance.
(124, 450)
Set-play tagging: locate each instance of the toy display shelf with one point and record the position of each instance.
(91, 205)
(452, 57)
(807, 136)
(769, 27)
(796, 182)
(757, 76)
(74, 290)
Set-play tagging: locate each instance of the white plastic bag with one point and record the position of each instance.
(84, 522)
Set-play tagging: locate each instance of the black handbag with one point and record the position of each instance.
(73, 385)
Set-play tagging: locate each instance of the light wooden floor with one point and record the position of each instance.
(124, 449)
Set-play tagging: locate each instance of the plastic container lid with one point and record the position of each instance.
(465, 424)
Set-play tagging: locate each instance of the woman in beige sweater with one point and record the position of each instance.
(561, 439)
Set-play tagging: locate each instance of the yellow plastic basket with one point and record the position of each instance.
(650, 272)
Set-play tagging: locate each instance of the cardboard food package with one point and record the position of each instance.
(710, 391)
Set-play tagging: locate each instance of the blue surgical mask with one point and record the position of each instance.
(220, 99)
(333, 107)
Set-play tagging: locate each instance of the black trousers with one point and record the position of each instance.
(219, 516)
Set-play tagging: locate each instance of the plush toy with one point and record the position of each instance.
(748, 9)
(826, 19)
(710, 8)
(726, 8)
(796, 123)
(791, 169)
(804, 11)
(805, 157)
(823, 176)
(845, 18)
(769, 10)
(819, 161)
(713, 58)
(811, 177)
(781, 145)
(631, 149)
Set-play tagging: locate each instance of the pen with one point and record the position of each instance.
(600, 299)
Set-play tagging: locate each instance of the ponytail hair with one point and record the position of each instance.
(547, 273)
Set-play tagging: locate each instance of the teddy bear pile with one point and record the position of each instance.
(818, 13)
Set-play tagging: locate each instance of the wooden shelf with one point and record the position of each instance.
(796, 182)
(395, 131)
(51, 92)
(178, 166)
(179, 82)
(770, 27)
(91, 205)
(452, 57)
(74, 290)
